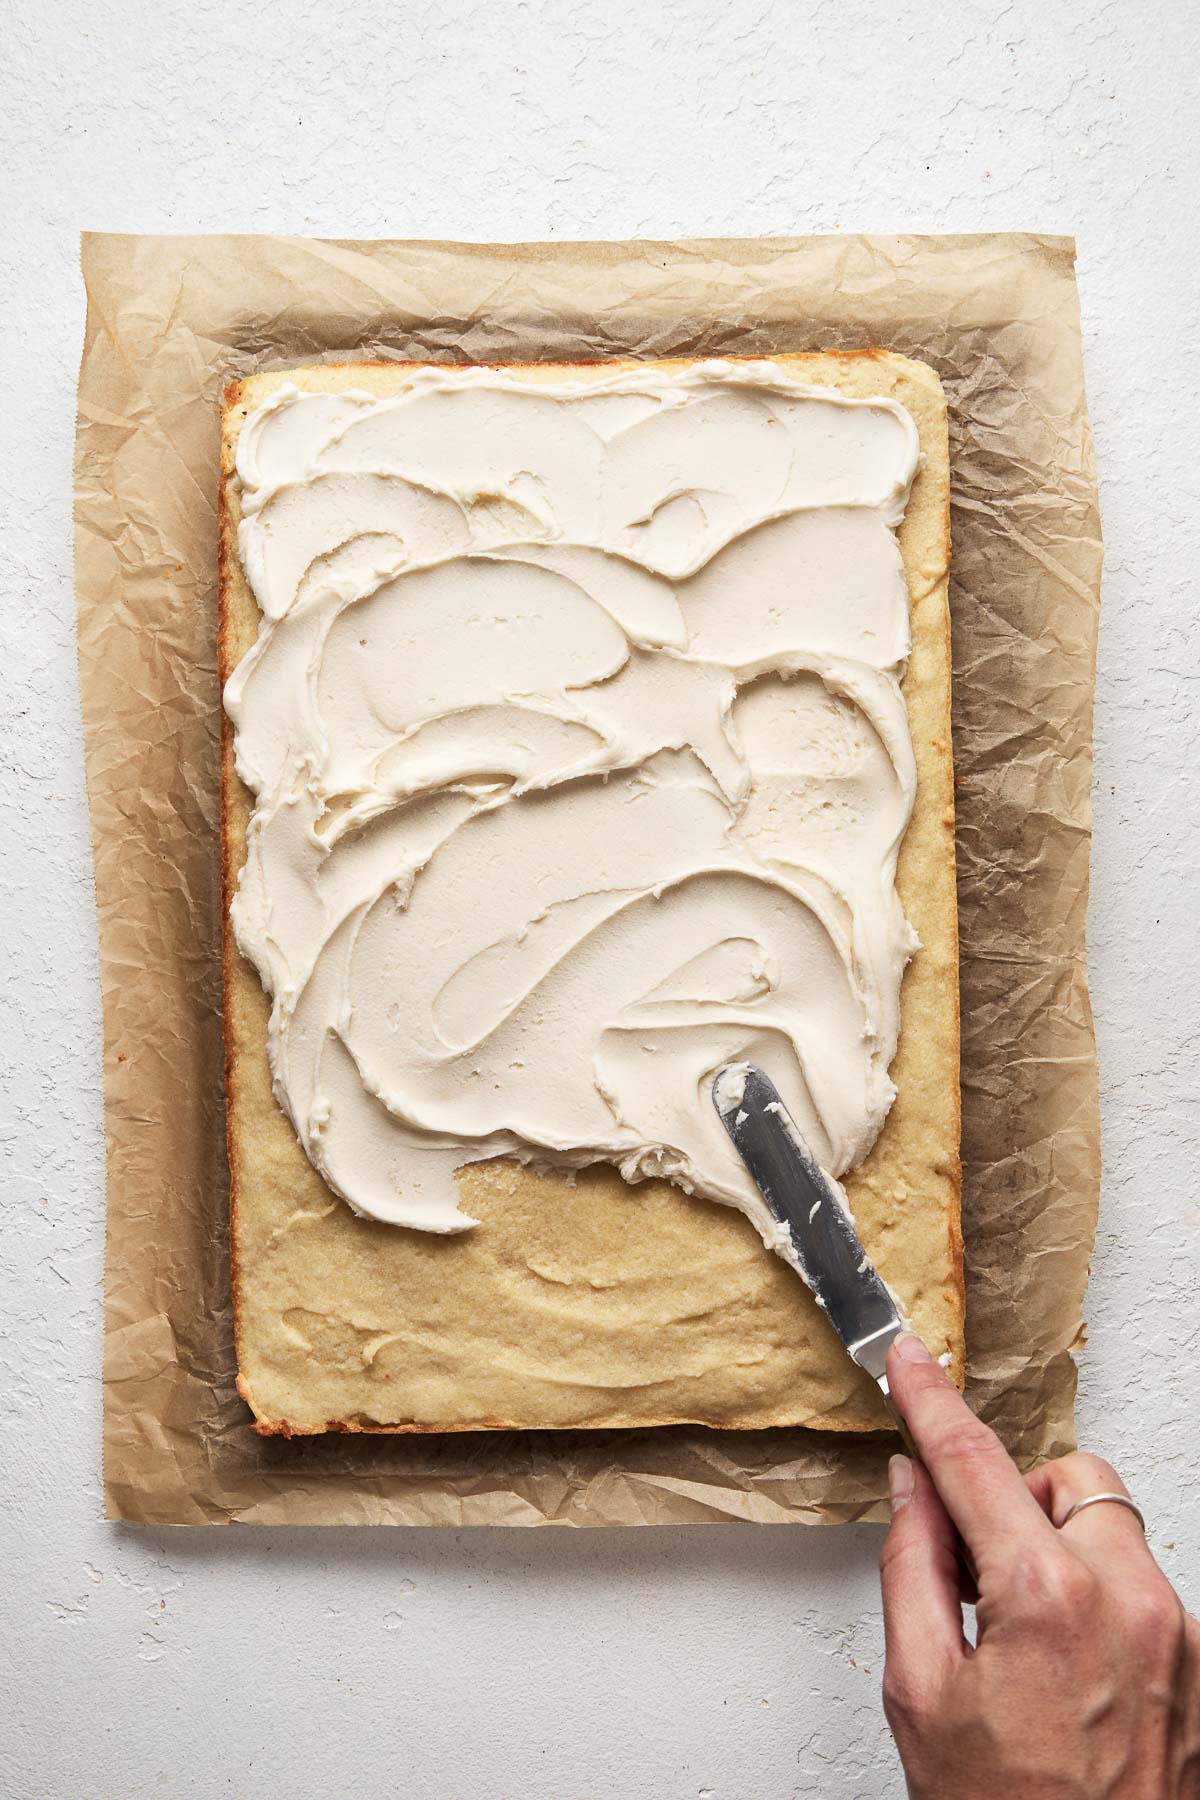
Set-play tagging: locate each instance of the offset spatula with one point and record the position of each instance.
(801, 1198)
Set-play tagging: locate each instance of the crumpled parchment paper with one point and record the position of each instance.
(170, 320)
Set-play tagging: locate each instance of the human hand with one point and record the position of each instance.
(1085, 1680)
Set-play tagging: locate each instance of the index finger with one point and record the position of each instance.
(980, 1485)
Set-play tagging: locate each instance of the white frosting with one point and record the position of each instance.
(580, 768)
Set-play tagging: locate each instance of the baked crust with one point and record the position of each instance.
(596, 1304)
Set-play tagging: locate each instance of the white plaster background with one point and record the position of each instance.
(729, 1662)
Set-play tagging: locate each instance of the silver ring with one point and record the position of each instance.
(1097, 1499)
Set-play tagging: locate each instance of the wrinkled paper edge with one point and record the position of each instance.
(170, 320)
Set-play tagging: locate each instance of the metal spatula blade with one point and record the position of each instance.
(800, 1196)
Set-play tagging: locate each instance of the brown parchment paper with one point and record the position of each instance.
(169, 321)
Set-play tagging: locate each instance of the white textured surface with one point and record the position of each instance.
(736, 1663)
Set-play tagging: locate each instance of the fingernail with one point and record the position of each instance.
(900, 1482)
(910, 1347)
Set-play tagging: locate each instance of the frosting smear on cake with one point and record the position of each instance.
(580, 768)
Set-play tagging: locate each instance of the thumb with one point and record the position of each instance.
(919, 1574)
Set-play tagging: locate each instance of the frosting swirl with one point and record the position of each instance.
(580, 768)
